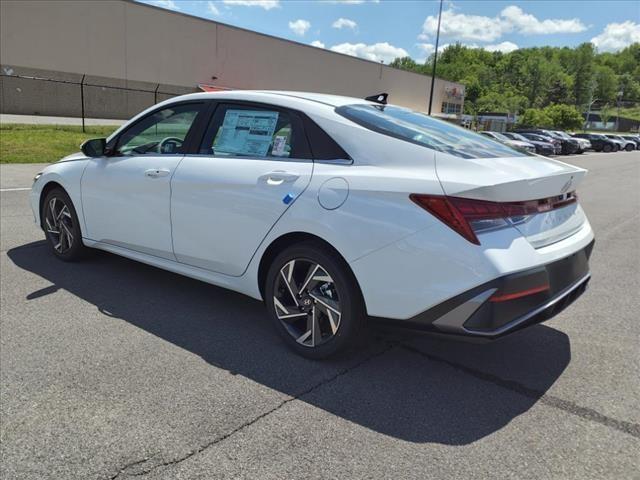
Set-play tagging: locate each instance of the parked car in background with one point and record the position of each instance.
(569, 145)
(599, 142)
(521, 144)
(542, 148)
(333, 210)
(620, 144)
(557, 144)
(627, 144)
(634, 138)
(584, 144)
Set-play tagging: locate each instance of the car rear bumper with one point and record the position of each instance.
(508, 303)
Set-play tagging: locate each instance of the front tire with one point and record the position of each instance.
(61, 226)
(314, 300)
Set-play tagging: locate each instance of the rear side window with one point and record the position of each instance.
(418, 128)
(238, 130)
(323, 147)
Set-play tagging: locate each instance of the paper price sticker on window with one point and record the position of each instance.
(279, 145)
(246, 132)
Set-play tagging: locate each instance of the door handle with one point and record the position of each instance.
(278, 177)
(156, 172)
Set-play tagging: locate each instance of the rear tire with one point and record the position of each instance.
(61, 226)
(606, 149)
(314, 300)
(628, 148)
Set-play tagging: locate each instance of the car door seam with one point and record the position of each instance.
(246, 268)
(173, 250)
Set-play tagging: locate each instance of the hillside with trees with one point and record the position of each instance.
(540, 83)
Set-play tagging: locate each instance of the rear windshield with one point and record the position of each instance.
(418, 128)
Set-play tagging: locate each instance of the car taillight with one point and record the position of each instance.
(467, 216)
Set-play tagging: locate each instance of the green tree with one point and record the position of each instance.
(630, 86)
(405, 63)
(491, 102)
(606, 83)
(536, 77)
(583, 72)
(534, 117)
(560, 90)
(564, 117)
(605, 114)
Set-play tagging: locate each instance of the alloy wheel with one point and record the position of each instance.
(59, 225)
(307, 302)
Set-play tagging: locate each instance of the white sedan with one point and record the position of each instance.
(333, 210)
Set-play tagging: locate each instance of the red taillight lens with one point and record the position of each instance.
(466, 215)
(442, 208)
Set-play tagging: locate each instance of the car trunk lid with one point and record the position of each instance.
(518, 179)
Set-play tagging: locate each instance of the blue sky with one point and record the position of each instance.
(381, 30)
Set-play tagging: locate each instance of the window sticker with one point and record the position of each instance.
(246, 132)
(279, 145)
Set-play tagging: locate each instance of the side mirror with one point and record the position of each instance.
(94, 147)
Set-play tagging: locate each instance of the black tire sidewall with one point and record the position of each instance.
(77, 249)
(351, 302)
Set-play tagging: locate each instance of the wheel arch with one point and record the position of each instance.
(292, 238)
(50, 185)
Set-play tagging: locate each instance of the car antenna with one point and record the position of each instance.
(380, 98)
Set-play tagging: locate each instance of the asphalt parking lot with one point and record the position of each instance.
(113, 369)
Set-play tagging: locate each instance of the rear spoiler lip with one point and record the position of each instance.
(511, 190)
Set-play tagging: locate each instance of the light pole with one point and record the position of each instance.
(435, 60)
(586, 123)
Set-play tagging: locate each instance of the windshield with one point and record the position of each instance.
(554, 135)
(418, 128)
(500, 136)
(517, 136)
(562, 134)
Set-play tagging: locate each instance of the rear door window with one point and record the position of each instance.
(238, 130)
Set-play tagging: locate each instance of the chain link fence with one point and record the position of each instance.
(80, 96)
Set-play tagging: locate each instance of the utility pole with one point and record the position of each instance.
(620, 94)
(435, 60)
(592, 86)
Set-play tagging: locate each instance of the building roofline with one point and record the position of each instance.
(215, 22)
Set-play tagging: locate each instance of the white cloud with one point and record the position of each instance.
(168, 4)
(528, 24)
(300, 27)
(344, 23)
(463, 27)
(617, 36)
(504, 47)
(378, 52)
(317, 43)
(212, 9)
(487, 29)
(428, 48)
(349, 2)
(266, 4)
